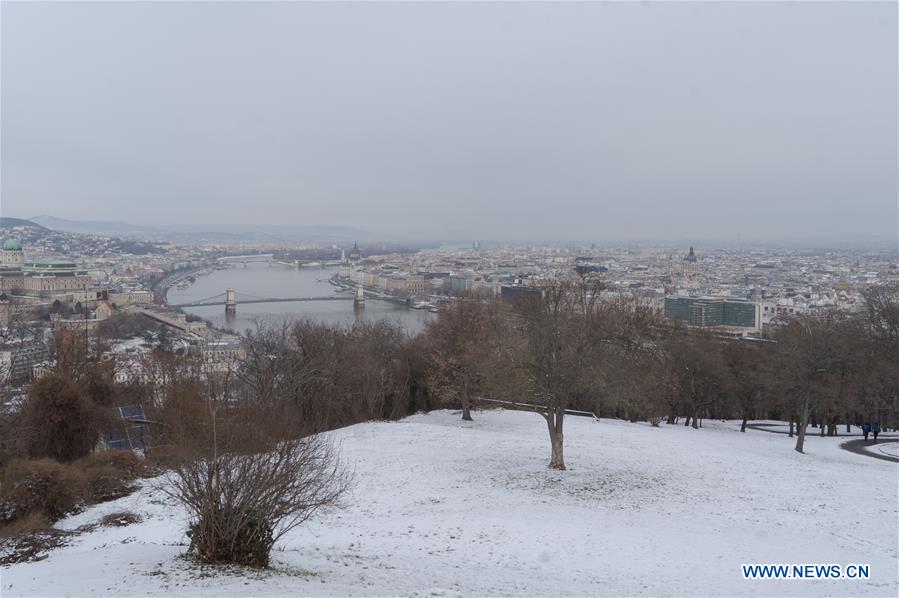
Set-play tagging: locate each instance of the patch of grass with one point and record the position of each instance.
(292, 571)
(195, 569)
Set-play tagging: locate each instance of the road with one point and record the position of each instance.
(859, 447)
(869, 448)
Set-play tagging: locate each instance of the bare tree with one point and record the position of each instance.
(810, 362)
(331, 375)
(461, 340)
(571, 342)
(20, 325)
(747, 376)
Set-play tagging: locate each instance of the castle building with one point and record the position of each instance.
(12, 256)
(11, 260)
(42, 280)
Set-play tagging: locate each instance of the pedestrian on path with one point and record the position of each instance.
(866, 429)
(876, 430)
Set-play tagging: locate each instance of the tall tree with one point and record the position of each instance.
(62, 422)
(747, 376)
(572, 339)
(461, 341)
(807, 352)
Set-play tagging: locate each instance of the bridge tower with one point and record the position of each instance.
(230, 301)
(359, 301)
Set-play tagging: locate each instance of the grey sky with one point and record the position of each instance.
(508, 120)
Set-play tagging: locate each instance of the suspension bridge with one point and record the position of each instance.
(246, 259)
(230, 298)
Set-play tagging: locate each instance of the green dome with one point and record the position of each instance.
(12, 245)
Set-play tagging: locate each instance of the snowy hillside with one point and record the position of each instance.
(445, 507)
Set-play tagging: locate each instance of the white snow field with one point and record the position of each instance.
(443, 507)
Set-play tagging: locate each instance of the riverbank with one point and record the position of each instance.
(346, 284)
(259, 281)
(162, 286)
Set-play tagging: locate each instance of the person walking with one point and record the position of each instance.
(876, 430)
(866, 429)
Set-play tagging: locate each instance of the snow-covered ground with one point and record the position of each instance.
(445, 507)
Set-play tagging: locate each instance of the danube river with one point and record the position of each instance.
(274, 280)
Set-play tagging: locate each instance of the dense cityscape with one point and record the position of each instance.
(79, 280)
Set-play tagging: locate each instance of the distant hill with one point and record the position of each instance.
(13, 222)
(95, 227)
(227, 233)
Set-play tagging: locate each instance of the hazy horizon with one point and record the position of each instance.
(697, 121)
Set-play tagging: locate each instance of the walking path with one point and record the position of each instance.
(859, 447)
(862, 447)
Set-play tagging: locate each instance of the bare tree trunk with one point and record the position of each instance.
(466, 410)
(803, 423)
(687, 422)
(695, 422)
(791, 426)
(554, 419)
(848, 425)
(466, 404)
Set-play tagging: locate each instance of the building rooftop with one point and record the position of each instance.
(50, 262)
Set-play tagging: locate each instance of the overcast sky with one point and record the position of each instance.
(508, 120)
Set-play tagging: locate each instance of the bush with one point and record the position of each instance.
(129, 464)
(42, 487)
(29, 524)
(109, 473)
(120, 519)
(106, 483)
(250, 488)
(61, 421)
(248, 542)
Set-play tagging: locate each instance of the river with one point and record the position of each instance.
(274, 280)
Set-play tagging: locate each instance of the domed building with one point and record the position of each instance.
(11, 260)
(691, 270)
(690, 263)
(43, 280)
(12, 256)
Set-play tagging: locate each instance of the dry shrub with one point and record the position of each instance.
(28, 524)
(106, 483)
(251, 485)
(109, 473)
(127, 463)
(41, 486)
(120, 519)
